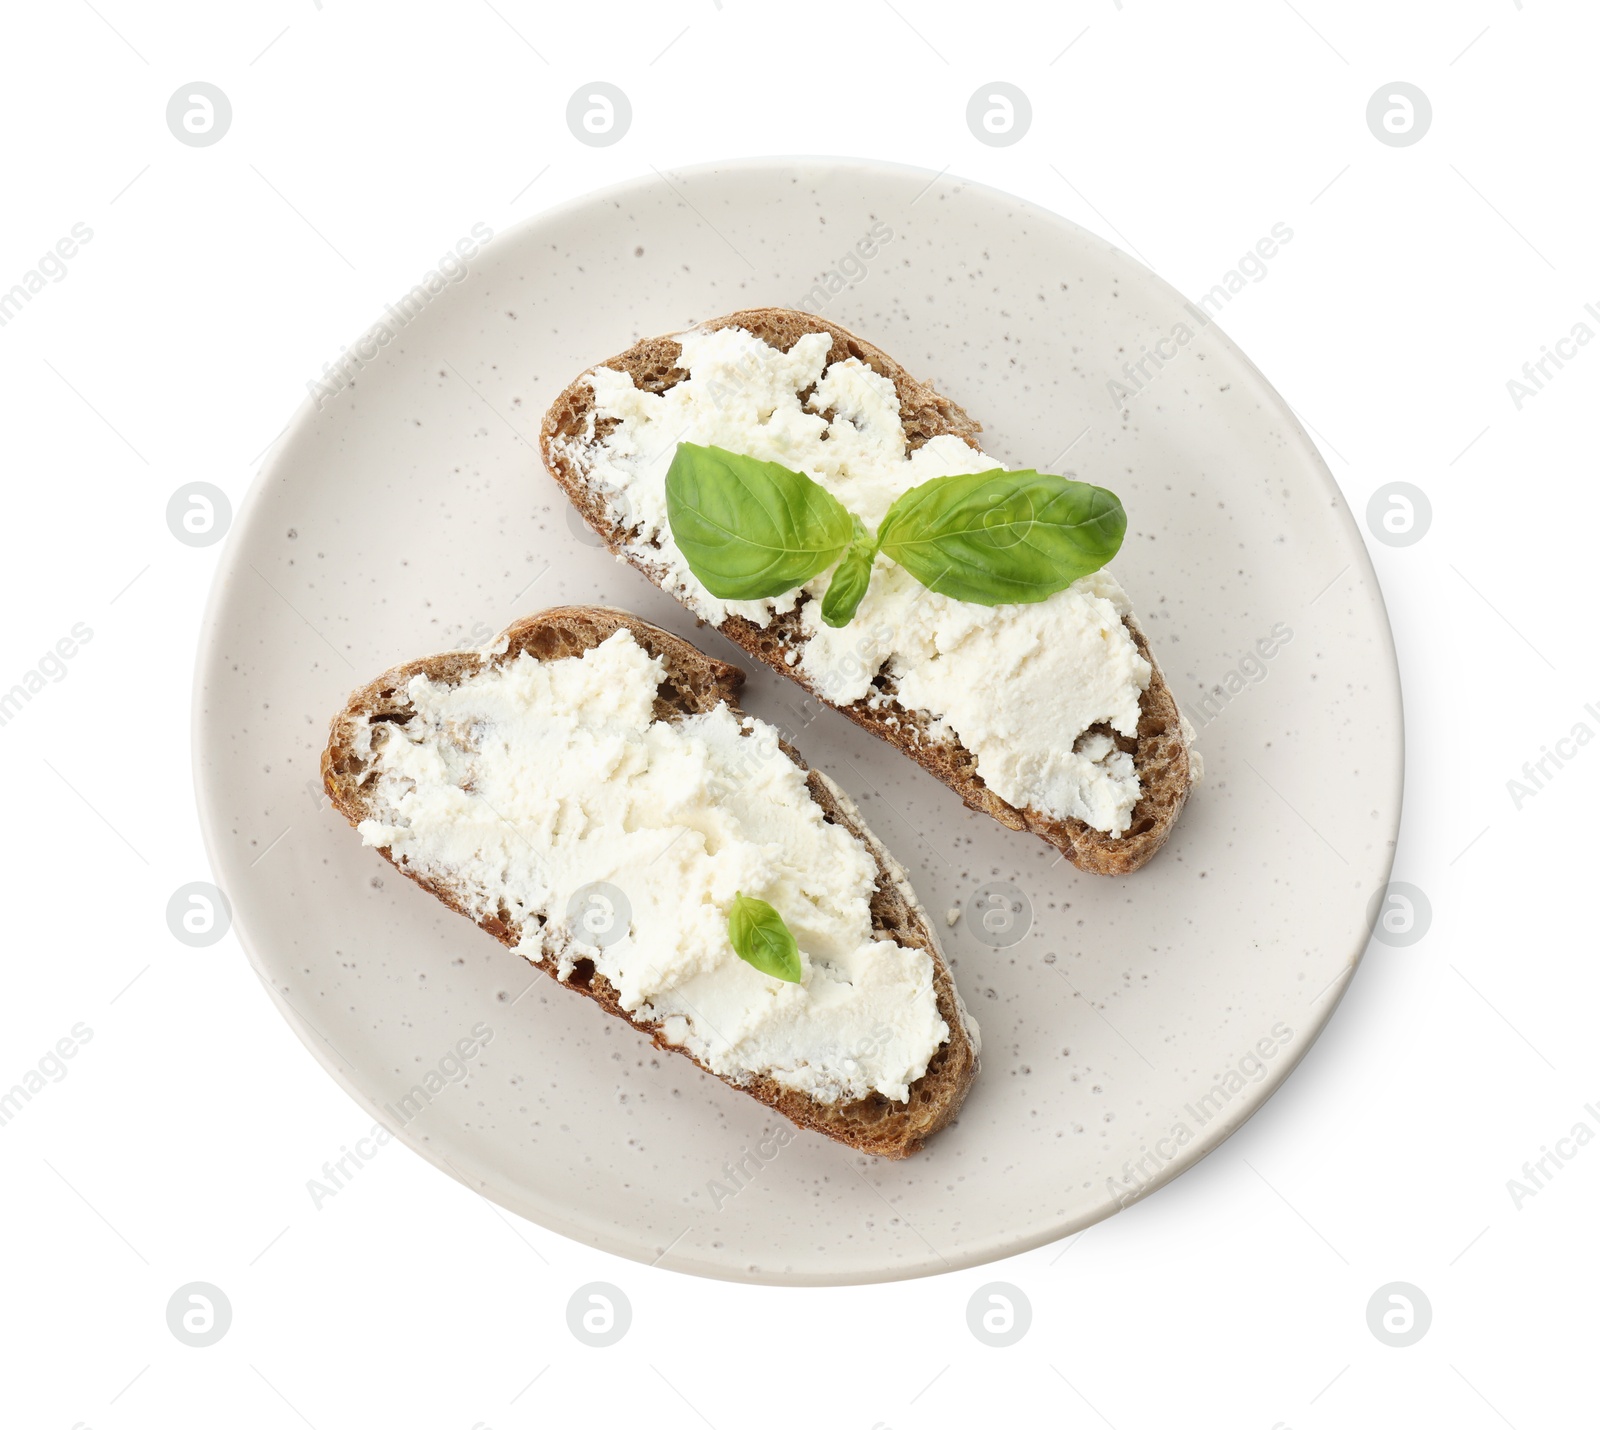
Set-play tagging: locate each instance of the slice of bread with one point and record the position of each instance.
(695, 684)
(1160, 750)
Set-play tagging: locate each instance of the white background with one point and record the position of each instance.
(365, 140)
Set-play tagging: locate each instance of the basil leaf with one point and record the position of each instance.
(998, 537)
(762, 939)
(748, 528)
(850, 581)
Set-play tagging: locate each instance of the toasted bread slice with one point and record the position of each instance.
(695, 684)
(1160, 751)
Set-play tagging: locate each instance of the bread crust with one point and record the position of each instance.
(1160, 750)
(695, 683)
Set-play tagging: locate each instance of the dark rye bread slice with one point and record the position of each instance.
(1160, 751)
(695, 683)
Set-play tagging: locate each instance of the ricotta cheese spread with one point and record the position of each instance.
(1019, 686)
(528, 780)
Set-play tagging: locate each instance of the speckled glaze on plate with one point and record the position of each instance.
(1137, 1022)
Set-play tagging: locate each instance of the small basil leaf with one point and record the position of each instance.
(748, 528)
(762, 939)
(998, 537)
(850, 581)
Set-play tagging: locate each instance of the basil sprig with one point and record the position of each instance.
(762, 939)
(751, 529)
(849, 584)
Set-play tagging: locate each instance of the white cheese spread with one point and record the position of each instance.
(1019, 686)
(529, 780)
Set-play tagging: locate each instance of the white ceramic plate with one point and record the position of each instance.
(1137, 1023)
